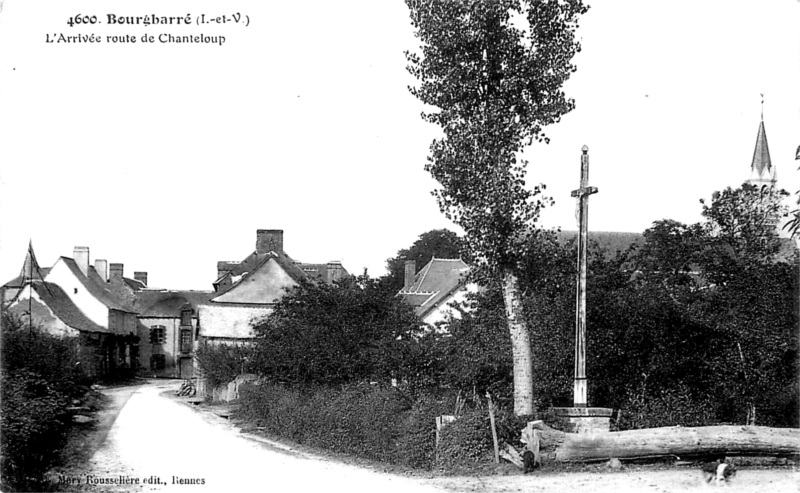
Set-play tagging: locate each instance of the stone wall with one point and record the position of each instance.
(230, 391)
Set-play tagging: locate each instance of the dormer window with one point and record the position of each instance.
(186, 317)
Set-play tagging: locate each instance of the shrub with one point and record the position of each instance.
(34, 426)
(416, 445)
(333, 334)
(38, 379)
(669, 408)
(359, 419)
(221, 363)
(466, 442)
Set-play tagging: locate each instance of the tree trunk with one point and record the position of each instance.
(520, 346)
(674, 441)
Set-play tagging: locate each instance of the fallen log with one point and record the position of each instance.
(673, 441)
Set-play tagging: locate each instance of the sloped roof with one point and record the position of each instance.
(30, 270)
(241, 271)
(62, 306)
(19, 281)
(761, 160)
(433, 283)
(318, 272)
(163, 303)
(97, 287)
(134, 284)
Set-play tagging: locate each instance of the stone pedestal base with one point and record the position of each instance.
(586, 419)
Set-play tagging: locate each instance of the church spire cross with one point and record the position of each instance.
(582, 194)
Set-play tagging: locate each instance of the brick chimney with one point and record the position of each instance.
(223, 267)
(141, 277)
(269, 240)
(334, 271)
(81, 256)
(116, 272)
(411, 270)
(101, 266)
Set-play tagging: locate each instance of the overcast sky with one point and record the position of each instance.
(169, 157)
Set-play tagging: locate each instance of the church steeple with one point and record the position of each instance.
(762, 172)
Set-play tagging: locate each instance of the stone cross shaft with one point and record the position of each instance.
(580, 305)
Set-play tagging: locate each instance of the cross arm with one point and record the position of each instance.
(583, 191)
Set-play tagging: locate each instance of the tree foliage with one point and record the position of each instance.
(742, 226)
(677, 332)
(494, 72)
(354, 330)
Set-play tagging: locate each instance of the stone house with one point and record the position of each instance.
(168, 325)
(248, 290)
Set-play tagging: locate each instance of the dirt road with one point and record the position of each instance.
(147, 441)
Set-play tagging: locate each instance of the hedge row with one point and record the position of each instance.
(376, 423)
(38, 380)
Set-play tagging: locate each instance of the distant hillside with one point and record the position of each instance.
(611, 241)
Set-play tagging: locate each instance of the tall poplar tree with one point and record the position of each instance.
(493, 70)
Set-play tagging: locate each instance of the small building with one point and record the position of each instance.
(434, 290)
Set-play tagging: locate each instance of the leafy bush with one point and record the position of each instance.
(359, 419)
(670, 407)
(34, 425)
(221, 363)
(323, 334)
(466, 442)
(38, 378)
(416, 445)
(364, 420)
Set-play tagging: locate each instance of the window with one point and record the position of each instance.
(186, 340)
(158, 362)
(158, 334)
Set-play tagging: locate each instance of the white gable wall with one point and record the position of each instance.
(93, 308)
(267, 285)
(230, 321)
(444, 309)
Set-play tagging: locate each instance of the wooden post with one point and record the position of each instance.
(441, 421)
(494, 430)
(580, 390)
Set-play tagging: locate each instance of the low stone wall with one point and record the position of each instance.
(230, 391)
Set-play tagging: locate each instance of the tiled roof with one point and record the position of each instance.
(134, 284)
(319, 272)
(436, 281)
(19, 281)
(162, 303)
(62, 306)
(98, 288)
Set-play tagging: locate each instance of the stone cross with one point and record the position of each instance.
(580, 310)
